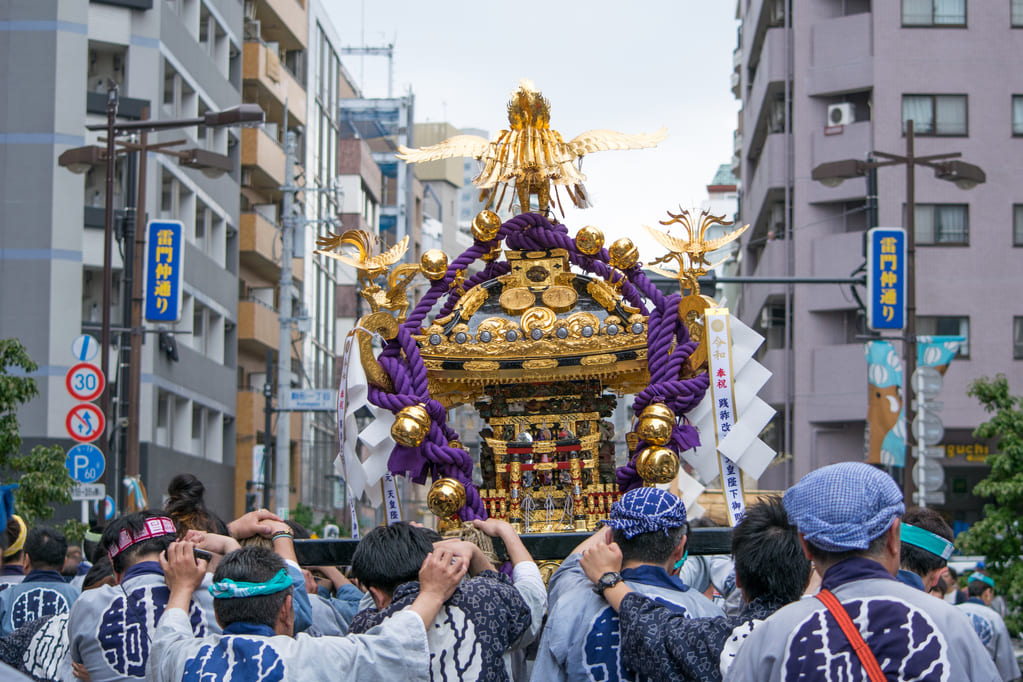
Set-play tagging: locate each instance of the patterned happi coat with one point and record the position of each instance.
(41, 593)
(665, 645)
(581, 641)
(395, 651)
(485, 617)
(991, 629)
(913, 635)
(111, 626)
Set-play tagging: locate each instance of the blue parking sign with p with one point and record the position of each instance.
(85, 463)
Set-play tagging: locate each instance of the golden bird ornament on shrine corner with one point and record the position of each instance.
(691, 253)
(370, 265)
(531, 156)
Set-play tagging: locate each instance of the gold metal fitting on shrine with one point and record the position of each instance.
(656, 423)
(446, 497)
(485, 226)
(589, 240)
(434, 264)
(657, 465)
(624, 254)
(411, 425)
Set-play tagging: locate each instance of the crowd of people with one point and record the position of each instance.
(834, 581)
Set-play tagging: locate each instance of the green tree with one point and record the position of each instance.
(999, 535)
(42, 476)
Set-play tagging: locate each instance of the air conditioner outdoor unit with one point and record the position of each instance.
(841, 114)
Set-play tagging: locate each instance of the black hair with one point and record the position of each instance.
(98, 573)
(919, 560)
(46, 547)
(186, 504)
(134, 523)
(389, 556)
(299, 531)
(975, 588)
(654, 547)
(823, 556)
(769, 560)
(252, 564)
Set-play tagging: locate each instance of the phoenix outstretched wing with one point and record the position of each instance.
(715, 244)
(391, 255)
(673, 244)
(603, 140)
(459, 145)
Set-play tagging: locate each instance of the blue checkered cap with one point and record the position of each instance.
(643, 510)
(842, 507)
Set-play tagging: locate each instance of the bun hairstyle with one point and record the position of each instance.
(186, 504)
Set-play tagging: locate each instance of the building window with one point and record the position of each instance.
(1017, 225)
(1017, 113)
(946, 326)
(1017, 13)
(934, 12)
(942, 224)
(1017, 338)
(935, 114)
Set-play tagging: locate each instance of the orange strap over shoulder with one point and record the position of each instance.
(859, 646)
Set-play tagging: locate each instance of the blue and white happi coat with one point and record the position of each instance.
(484, 618)
(581, 641)
(111, 627)
(40, 594)
(395, 650)
(990, 628)
(913, 635)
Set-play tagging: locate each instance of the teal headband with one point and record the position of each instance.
(927, 541)
(229, 589)
(986, 579)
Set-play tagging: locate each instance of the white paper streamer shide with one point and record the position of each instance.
(362, 475)
(747, 415)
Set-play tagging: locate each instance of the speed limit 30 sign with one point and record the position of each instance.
(85, 382)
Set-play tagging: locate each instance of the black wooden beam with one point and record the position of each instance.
(543, 546)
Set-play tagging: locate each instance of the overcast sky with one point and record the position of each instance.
(628, 66)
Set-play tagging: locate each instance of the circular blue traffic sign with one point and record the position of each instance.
(85, 463)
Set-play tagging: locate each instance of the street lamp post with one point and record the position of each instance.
(209, 162)
(965, 176)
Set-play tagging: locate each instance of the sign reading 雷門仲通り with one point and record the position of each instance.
(886, 278)
(164, 251)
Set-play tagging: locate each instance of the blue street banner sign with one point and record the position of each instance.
(84, 348)
(886, 278)
(85, 463)
(164, 251)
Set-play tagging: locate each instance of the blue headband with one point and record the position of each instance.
(927, 541)
(986, 579)
(230, 589)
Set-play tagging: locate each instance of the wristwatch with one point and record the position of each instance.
(609, 579)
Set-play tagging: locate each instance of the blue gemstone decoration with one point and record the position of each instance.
(587, 331)
(435, 339)
(537, 334)
(511, 335)
(612, 329)
(562, 333)
(485, 337)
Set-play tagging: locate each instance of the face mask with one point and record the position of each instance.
(681, 562)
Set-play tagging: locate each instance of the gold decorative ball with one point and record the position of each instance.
(657, 465)
(410, 426)
(624, 254)
(485, 226)
(434, 264)
(446, 497)
(589, 240)
(656, 423)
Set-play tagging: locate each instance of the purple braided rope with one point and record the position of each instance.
(667, 341)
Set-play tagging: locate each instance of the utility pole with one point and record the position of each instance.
(282, 452)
